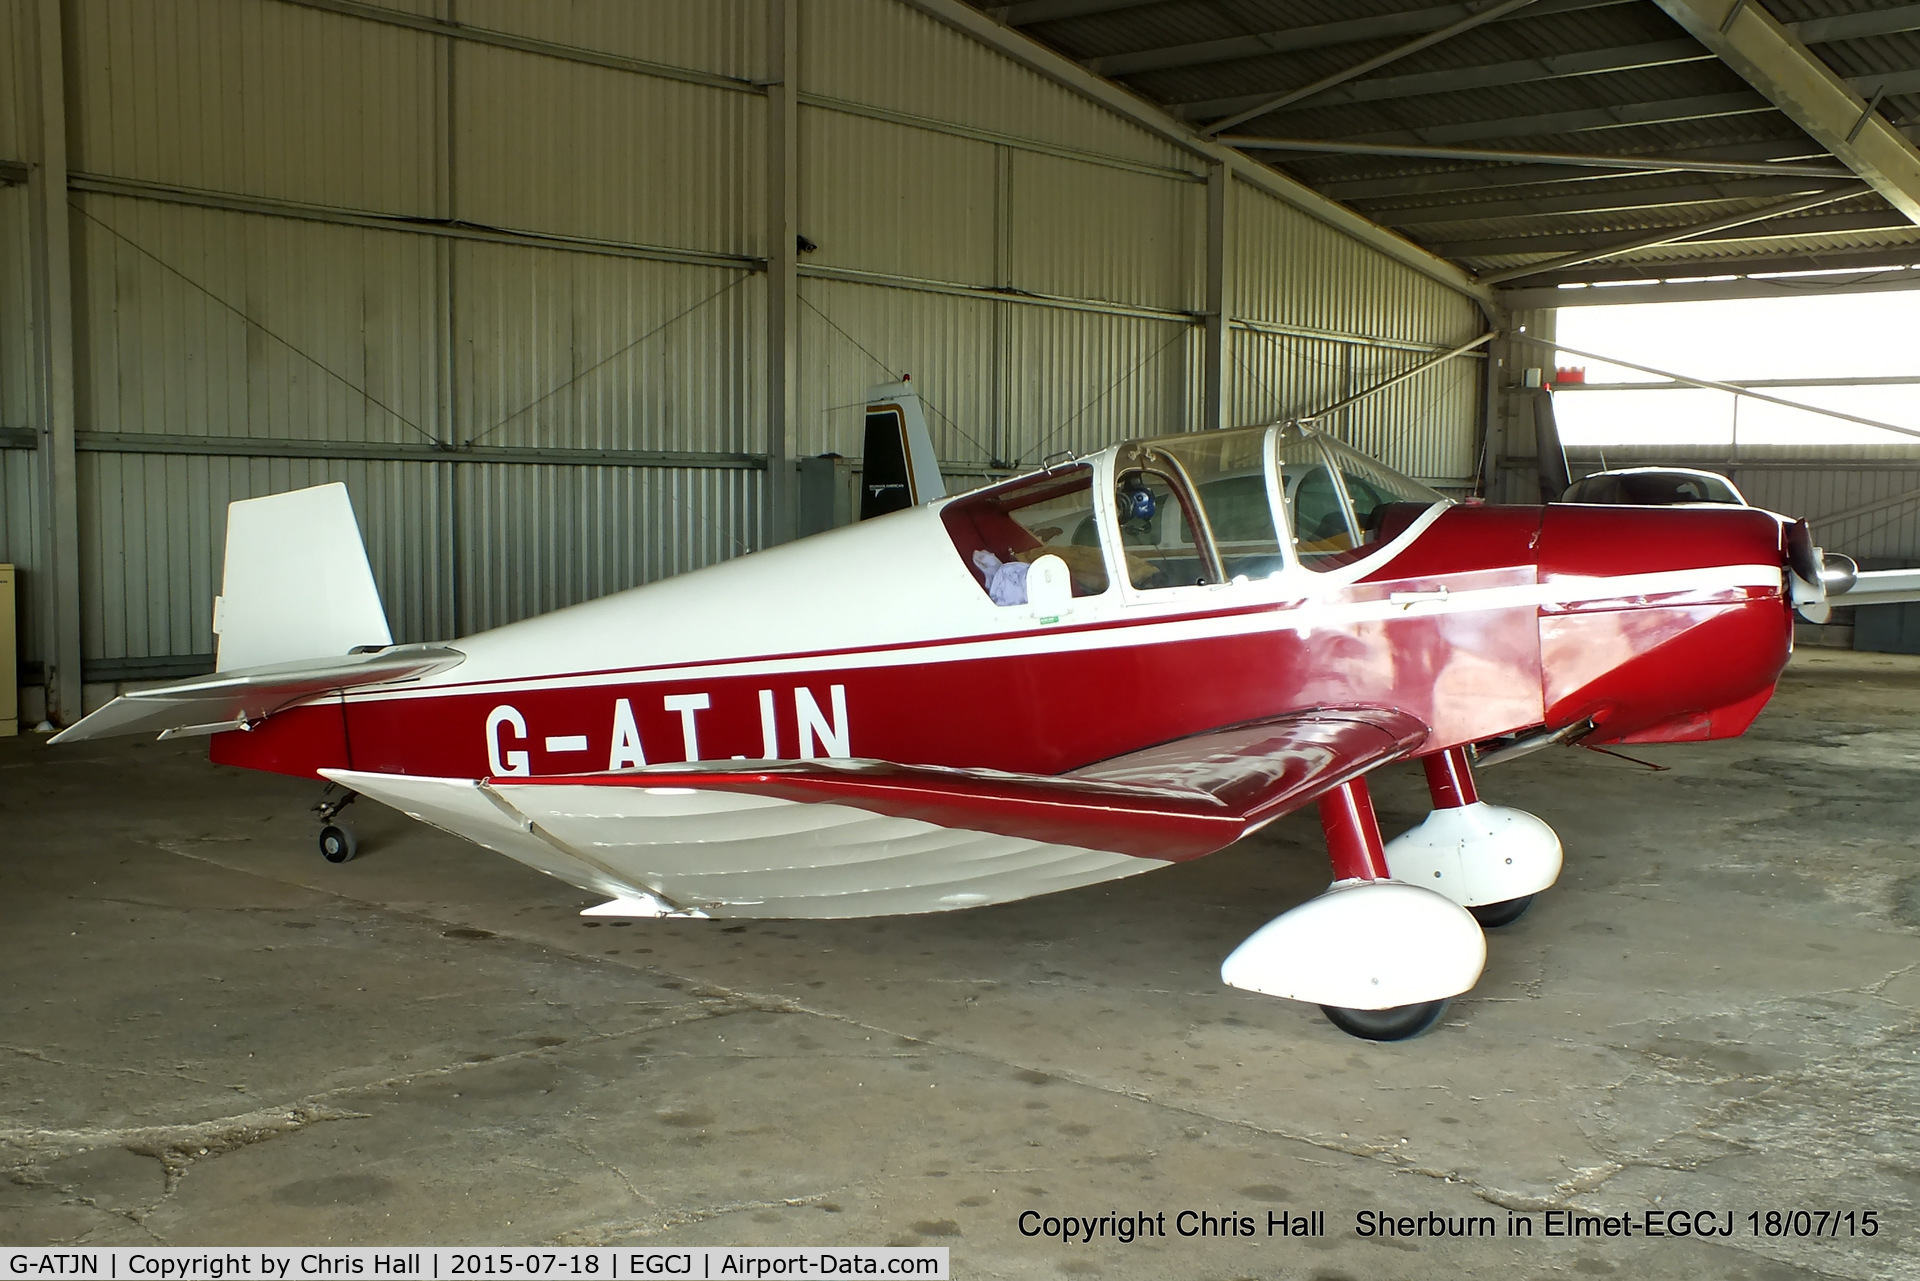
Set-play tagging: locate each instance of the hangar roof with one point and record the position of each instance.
(1733, 136)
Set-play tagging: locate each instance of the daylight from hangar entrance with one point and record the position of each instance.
(1828, 341)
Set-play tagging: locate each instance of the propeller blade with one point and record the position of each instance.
(1802, 556)
(1807, 584)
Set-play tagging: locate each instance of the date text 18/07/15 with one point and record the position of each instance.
(1646, 1223)
(1723, 1223)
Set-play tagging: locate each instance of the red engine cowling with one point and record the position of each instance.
(1676, 628)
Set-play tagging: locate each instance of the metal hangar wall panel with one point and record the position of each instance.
(507, 278)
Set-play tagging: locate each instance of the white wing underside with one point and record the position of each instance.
(679, 851)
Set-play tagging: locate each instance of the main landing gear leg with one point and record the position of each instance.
(337, 843)
(1489, 859)
(1381, 958)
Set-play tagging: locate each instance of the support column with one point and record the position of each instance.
(59, 586)
(783, 281)
(1218, 307)
(449, 423)
(1512, 453)
(1353, 833)
(1493, 435)
(1450, 779)
(1001, 450)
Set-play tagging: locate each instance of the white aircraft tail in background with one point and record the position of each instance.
(901, 470)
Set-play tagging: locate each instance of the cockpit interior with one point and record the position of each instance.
(1189, 510)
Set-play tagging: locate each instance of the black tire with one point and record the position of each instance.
(1493, 915)
(337, 844)
(1395, 1024)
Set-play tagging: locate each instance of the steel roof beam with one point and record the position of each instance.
(1611, 116)
(1768, 57)
(1320, 36)
(1723, 260)
(1868, 281)
(1407, 183)
(1021, 15)
(1592, 62)
(1857, 26)
(1819, 224)
(1668, 111)
(1674, 234)
(1592, 199)
(1384, 27)
(1334, 146)
(1480, 17)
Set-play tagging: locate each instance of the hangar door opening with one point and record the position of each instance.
(1809, 403)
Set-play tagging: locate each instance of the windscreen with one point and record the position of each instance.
(1228, 472)
(1342, 504)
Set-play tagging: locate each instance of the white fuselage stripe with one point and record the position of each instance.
(1121, 632)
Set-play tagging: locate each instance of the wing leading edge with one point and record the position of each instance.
(1177, 801)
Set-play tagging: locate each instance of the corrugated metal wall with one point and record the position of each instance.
(1298, 286)
(311, 245)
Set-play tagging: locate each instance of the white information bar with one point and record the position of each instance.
(438, 1263)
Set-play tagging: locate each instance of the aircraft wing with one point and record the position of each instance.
(843, 838)
(1176, 801)
(236, 699)
(1880, 587)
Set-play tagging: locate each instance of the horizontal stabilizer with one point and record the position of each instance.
(1176, 801)
(236, 700)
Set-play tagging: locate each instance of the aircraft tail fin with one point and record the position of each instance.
(297, 584)
(900, 468)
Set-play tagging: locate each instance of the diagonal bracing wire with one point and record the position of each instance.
(609, 359)
(315, 361)
(888, 371)
(1183, 332)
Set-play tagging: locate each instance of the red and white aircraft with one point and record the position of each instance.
(1082, 673)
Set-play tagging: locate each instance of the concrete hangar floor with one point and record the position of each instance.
(209, 1035)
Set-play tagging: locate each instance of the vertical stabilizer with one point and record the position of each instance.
(297, 584)
(899, 467)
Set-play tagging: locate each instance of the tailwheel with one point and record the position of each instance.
(1493, 915)
(1395, 1024)
(337, 844)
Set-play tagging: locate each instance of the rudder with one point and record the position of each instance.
(296, 584)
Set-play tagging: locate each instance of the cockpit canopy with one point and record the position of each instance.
(1189, 510)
